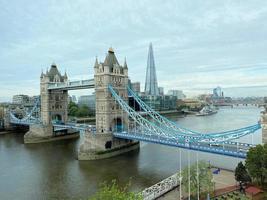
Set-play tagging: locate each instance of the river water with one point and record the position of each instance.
(52, 171)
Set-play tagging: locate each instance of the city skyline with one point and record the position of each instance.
(197, 45)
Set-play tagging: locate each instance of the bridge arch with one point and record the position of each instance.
(57, 118)
(117, 124)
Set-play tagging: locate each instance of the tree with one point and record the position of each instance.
(72, 109)
(256, 163)
(204, 179)
(83, 111)
(79, 111)
(114, 192)
(241, 174)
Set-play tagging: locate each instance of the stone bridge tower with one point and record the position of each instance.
(109, 116)
(54, 105)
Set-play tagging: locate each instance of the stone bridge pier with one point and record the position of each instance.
(6, 121)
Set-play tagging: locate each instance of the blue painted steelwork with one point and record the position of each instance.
(172, 142)
(29, 119)
(154, 128)
(159, 119)
(160, 130)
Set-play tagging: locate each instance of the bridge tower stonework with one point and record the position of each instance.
(109, 116)
(54, 105)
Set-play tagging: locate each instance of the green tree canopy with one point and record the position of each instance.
(241, 174)
(256, 163)
(79, 111)
(114, 192)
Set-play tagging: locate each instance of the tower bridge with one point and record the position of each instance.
(119, 128)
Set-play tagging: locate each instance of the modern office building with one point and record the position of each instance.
(217, 92)
(151, 84)
(88, 100)
(161, 91)
(159, 103)
(178, 93)
(20, 99)
(33, 99)
(74, 99)
(136, 87)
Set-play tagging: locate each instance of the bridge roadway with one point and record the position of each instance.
(228, 148)
(238, 150)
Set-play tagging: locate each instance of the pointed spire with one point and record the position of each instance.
(96, 62)
(65, 75)
(111, 59)
(125, 64)
(42, 74)
(151, 85)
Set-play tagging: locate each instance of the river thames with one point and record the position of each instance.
(52, 171)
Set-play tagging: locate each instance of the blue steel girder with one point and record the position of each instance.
(173, 126)
(151, 129)
(173, 133)
(191, 146)
(28, 119)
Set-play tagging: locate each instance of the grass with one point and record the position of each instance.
(232, 196)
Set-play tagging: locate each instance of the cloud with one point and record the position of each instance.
(196, 44)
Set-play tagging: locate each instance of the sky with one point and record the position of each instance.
(198, 45)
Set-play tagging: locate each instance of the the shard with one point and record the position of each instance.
(151, 85)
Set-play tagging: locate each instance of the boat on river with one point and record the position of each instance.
(207, 110)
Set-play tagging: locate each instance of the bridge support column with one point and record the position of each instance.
(109, 116)
(7, 125)
(38, 133)
(100, 146)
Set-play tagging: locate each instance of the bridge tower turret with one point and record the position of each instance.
(109, 116)
(54, 104)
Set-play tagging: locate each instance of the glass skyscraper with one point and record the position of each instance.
(151, 85)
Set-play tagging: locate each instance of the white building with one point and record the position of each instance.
(20, 99)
